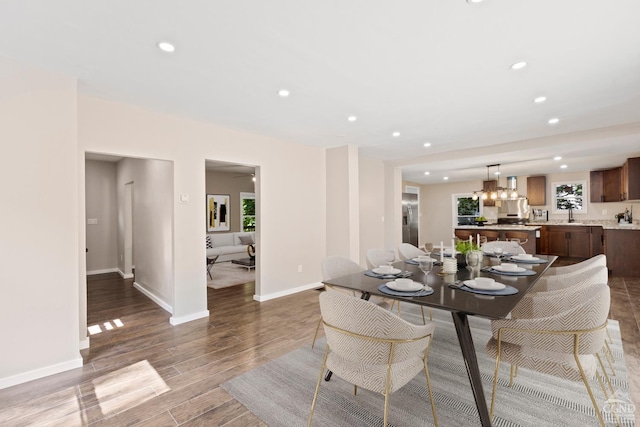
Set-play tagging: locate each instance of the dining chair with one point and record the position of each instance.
(372, 348)
(521, 236)
(336, 266)
(408, 251)
(376, 258)
(600, 259)
(507, 247)
(491, 235)
(564, 343)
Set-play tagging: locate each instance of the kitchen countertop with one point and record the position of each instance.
(532, 226)
(527, 227)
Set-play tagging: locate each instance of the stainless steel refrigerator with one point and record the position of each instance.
(410, 218)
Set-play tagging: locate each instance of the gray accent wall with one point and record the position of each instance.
(101, 205)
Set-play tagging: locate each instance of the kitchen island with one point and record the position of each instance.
(529, 244)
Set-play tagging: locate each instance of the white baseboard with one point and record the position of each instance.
(262, 298)
(184, 319)
(125, 276)
(84, 343)
(106, 270)
(40, 373)
(153, 297)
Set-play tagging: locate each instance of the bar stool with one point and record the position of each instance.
(464, 234)
(522, 236)
(491, 235)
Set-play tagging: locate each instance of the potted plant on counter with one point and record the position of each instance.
(481, 220)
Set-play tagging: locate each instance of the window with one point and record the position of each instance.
(465, 209)
(248, 211)
(569, 195)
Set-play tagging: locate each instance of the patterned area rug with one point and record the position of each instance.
(226, 274)
(280, 392)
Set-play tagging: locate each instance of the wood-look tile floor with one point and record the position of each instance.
(142, 371)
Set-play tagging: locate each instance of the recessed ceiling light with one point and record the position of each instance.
(474, 1)
(166, 47)
(557, 158)
(518, 65)
(427, 173)
(427, 144)
(540, 99)
(563, 166)
(445, 178)
(283, 93)
(553, 121)
(352, 118)
(396, 134)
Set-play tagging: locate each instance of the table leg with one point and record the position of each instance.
(471, 362)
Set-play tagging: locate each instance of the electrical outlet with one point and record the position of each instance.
(300, 268)
(604, 211)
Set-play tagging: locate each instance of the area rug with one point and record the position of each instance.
(280, 392)
(226, 274)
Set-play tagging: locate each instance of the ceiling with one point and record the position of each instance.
(436, 71)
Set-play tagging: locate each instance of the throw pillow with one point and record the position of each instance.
(246, 240)
(209, 244)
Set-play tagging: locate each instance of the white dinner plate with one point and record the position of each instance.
(518, 257)
(414, 286)
(495, 286)
(393, 271)
(513, 270)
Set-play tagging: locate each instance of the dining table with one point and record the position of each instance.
(460, 302)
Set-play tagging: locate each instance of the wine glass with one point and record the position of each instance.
(389, 257)
(425, 263)
(473, 259)
(428, 248)
(498, 251)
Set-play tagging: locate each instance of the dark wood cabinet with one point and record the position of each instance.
(571, 241)
(489, 186)
(606, 185)
(622, 248)
(536, 190)
(631, 179)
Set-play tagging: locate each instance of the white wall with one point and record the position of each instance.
(39, 231)
(371, 195)
(101, 204)
(290, 194)
(152, 224)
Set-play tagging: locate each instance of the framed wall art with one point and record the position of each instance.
(218, 211)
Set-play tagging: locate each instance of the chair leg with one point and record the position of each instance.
(355, 390)
(430, 314)
(585, 380)
(495, 377)
(315, 396)
(610, 359)
(316, 334)
(424, 322)
(604, 373)
(433, 405)
(511, 375)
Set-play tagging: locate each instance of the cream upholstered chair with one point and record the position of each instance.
(507, 247)
(580, 266)
(372, 348)
(564, 343)
(407, 251)
(336, 266)
(376, 258)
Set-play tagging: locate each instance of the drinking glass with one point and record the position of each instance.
(425, 264)
(473, 259)
(428, 248)
(389, 256)
(497, 251)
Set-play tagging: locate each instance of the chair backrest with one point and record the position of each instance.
(336, 266)
(367, 320)
(582, 312)
(575, 279)
(408, 251)
(376, 258)
(507, 247)
(598, 260)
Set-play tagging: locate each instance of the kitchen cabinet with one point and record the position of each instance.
(630, 179)
(606, 185)
(572, 241)
(622, 248)
(489, 186)
(536, 190)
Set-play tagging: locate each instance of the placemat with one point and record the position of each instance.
(509, 290)
(421, 293)
(412, 262)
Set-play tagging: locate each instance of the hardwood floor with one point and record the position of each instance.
(142, 371)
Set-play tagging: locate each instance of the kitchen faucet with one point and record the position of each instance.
(571, 213)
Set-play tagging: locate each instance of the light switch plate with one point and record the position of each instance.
(92, 221)
(184, 198)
